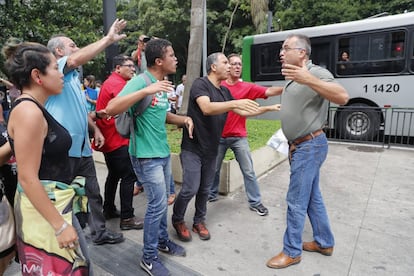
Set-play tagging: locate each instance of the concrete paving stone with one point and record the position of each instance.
(367, 191)
(380, 254)
(394, 218)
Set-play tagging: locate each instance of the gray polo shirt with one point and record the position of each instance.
(303, 110)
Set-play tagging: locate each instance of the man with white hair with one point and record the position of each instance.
(69, 109)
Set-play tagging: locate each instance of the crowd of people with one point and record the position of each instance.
(56, 170)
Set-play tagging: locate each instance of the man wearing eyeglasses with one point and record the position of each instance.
(115, 149)
(305, 102)
(234, 135)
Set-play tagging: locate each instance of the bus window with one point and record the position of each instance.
(379, 70)
(412, 53)
(374, 53)
(320, 54)
(265, 63)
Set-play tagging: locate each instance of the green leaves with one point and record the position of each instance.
(37, 21)
(82, 20)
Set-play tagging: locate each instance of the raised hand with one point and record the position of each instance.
(159, 86)
(115, 32)
(298, 74)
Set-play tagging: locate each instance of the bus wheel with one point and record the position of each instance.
(358, 122)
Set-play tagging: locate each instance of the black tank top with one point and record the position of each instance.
(55, 155)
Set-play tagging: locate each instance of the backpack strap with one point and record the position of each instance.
(145, 102)
(140, 108)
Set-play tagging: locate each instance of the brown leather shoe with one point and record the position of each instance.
(314, 247)
(182, 231)
(138, 190)
(131, 223)
(201, 230)
(282, 260)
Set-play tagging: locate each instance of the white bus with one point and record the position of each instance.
(379, 72)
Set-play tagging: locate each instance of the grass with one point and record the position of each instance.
(259, 132)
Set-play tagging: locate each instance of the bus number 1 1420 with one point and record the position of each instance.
(382, 88)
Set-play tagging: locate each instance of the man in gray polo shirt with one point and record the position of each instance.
(305, 102)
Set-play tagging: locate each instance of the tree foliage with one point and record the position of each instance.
(305, 13)
(169, 19)
(82, 20)
(38, 20)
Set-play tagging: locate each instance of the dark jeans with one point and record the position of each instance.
(119, 168)
(85, 166)
(198, 176)
(82, 243)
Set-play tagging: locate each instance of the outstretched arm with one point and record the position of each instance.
(214, 108)
(120, 104)
(87, 53)
(261, 110)
(274, 91)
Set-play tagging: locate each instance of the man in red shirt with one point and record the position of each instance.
(234, 135)
(115, 149)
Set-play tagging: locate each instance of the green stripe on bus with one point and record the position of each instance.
(246, 58)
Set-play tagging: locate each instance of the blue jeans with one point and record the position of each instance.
(241, 149)
(155, 175)
(304, 197)
(198, 175)
(171, 190)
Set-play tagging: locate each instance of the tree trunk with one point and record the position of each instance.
(195, 46)
(258, 11)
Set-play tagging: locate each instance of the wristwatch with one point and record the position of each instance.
(97, 116)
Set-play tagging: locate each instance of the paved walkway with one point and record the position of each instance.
(368, 193)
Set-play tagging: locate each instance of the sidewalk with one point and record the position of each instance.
(367, 191)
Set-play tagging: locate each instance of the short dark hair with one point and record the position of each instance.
(92, 81)
(212, 59)
(22, 58)
(156, 48)
(120, 60)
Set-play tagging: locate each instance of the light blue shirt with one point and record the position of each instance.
(69, 109)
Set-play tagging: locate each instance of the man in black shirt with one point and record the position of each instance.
(208, 106)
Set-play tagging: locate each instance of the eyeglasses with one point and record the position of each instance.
(286, 49)
(128, 65)
(236, 64)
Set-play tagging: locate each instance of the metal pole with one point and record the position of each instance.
(109, 16)
(269, 21)
(271, 8)
(205, 37)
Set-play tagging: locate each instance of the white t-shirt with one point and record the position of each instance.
(180, 93)
(172, 104)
